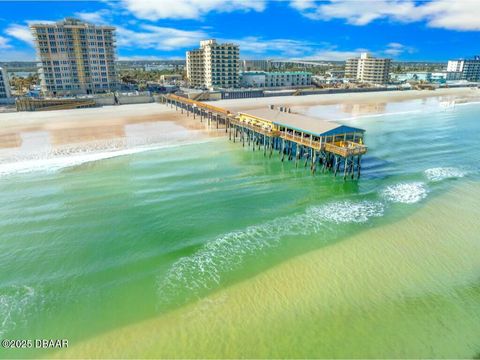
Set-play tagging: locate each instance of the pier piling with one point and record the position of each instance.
(326, 145)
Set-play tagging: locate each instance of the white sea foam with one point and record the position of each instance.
(406, 193)
(14, 304)
(204, 269)
(442, 173)
(55, 163)
(348, 212)
(466, 103)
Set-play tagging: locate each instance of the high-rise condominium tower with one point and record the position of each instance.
(368, 69)
(213, 65)
(75, 57)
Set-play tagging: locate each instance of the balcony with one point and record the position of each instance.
(345, 148)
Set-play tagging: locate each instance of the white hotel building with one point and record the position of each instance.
(368, 69)
(213, 65)
(468, 69)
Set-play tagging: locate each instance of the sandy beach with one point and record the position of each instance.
(23, 135)
(457, 94)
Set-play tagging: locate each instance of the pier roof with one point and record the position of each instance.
(301, 123)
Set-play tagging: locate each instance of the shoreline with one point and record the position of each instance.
(385, 291)
(27, 134)
(350, 98)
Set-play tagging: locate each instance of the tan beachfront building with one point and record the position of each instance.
(368, 69)
(4, 84)
(213, 65)
(75, 57)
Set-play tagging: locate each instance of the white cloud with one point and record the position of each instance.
(4, 43)
(302, 4)
(358, 12)
(187, 9)
(96, 17)
(395, 49)
(448, 14)
(334, 55)
(457, 15)
(20, 32)
(253, 45)
(160, 38)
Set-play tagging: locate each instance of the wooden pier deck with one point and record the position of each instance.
(322, 144)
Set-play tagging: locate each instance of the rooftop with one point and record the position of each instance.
(67, 22)
(301, 123)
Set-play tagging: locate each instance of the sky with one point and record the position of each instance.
(404, 30)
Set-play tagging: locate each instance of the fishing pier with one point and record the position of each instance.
(322, 145)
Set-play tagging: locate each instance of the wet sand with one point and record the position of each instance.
(26, 136)
(23, 135)
(372, 98)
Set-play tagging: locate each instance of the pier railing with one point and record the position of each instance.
(342, 148)
(262, 130)
(317, 145)
(345, 148)
(198, 104)
(329, 155)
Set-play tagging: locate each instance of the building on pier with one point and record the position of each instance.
(331, 146)
(312, 132)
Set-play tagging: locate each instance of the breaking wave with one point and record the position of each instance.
(203, 270)
(347, 212)
(55, 163)
(406, 193)
(442, 173)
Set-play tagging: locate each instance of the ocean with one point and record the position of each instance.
(208, 249)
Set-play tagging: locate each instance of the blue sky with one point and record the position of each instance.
(435, 30)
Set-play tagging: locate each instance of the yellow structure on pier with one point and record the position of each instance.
(324, 143)
(314, 133)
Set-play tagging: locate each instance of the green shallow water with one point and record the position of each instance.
(89, 249)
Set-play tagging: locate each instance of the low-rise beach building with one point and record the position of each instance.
(258, 65)
(413, 76)
(335, 73)
(264, 79)
(171, 78)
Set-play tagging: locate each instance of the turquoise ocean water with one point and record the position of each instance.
(93, 246)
